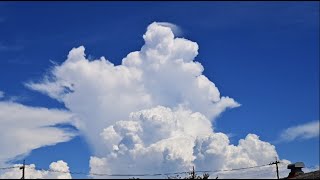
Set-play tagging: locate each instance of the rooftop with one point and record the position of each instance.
(310, 175)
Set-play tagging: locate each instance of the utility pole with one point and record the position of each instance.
(193, 173)
(23, 167)
(276, 163)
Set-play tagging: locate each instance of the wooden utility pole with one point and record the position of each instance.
(276, 163)
(193, 173)
(277, 168)
(23, 168)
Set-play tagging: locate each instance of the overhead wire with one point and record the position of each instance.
(148, 174)
(141, 175)
(12, 167)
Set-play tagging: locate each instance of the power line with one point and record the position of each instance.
(150, 174)
(13, 167)
(224, 170)
(139, 175)
(5, 168)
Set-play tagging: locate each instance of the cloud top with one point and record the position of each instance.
(175, 28)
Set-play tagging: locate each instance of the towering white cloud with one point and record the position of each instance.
(24, 128)
(31, 172)
(153, 112)
(161, 73)
(304, 131)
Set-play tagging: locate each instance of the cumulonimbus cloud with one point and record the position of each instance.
(152, 113)
(163, 73)
(303, 131)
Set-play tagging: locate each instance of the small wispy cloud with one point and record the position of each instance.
(304, 131)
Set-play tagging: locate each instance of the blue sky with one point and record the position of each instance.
(265, 55)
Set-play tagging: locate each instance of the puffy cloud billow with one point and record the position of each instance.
(165, 140)
(153, 113)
